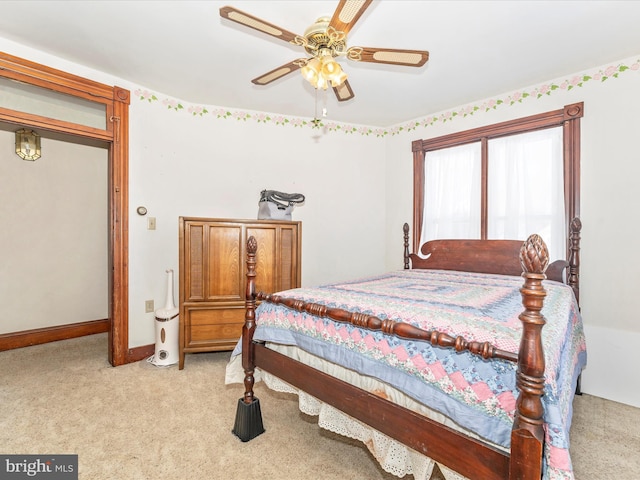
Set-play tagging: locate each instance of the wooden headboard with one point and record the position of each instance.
(501, 257)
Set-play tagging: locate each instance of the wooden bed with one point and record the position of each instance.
(470, 457)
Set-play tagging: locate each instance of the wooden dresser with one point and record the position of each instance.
(213, 275)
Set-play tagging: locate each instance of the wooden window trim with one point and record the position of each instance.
(567, 117)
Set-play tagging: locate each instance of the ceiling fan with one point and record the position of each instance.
(325, 40)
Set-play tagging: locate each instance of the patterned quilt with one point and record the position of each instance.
(478, 394)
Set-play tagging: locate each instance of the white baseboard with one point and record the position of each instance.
(612, 370)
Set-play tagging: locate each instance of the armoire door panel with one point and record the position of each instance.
(194, 259)
(266, 258)
(288, 246)
(224, 270)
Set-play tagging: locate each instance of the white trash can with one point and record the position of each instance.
(167, 329)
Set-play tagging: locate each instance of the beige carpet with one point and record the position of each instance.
(144, 422)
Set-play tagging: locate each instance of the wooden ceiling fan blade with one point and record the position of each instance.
(279, 72)
(347, 14)
(343, 91)
(410, 58)
(256, 23)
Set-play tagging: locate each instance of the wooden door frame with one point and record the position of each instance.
(116, 136)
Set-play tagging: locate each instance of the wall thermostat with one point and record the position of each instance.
(142, 210)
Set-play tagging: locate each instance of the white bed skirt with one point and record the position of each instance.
(393, 456)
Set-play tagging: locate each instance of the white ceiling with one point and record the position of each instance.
(478, 49)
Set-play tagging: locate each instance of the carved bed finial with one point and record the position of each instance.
(534, 256)
(252, 245)
(576, 225)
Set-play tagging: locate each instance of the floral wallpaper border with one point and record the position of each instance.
(600, 74)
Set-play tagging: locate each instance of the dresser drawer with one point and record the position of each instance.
(215, 315)
(213, 325)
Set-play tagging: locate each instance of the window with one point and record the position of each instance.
(501, 181)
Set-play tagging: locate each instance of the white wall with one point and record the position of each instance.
(610, 167)
(185, 165)
(54, 236)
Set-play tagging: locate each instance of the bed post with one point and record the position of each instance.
(573, 275)
(248, 424)
(405, 229)
(573, 279)
(527, 436)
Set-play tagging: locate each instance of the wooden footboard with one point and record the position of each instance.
(459, 452)
(426, 436)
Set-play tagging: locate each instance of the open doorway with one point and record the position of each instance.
(112, 103)
(55, 212)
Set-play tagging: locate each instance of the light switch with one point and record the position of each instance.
(151, 223)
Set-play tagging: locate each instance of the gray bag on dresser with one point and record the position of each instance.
(274, 205)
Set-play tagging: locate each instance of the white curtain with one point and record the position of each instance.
(526, 188)
(452, 193)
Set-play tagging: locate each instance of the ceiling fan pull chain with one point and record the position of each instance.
(316, 120)
(324, 103)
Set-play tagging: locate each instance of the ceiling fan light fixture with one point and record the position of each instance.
(330, 67)
(321, 82)
(311, 71)
(322, 71)
(339, 79)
